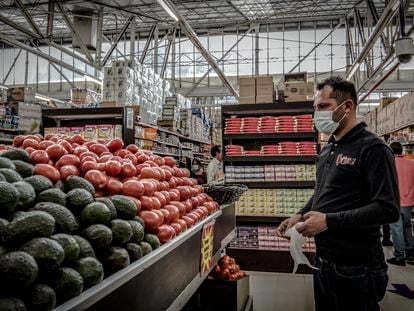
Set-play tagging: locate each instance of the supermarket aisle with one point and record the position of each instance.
(281, 291)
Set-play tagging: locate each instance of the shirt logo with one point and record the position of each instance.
(344, 160)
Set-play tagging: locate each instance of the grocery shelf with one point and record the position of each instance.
(260, 219)
(293, 135)
(186, 148)
(6, 140)
(168, 144)
(166, 154)
(3, 129)
(293, 108)
(280, 184)
(83, 113)
(277, 158)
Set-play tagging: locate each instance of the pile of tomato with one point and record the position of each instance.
(227, 269)
(167, 199)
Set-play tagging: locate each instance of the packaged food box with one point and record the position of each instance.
(90, 132)
(106, 131)
(76, 131)
(63, 130)
(118, 131)
(50, 130)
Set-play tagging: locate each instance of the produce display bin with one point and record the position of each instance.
(165, 279)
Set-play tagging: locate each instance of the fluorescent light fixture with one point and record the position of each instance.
(42, 97)
(368, 104)
(92, 79)
(168, 9)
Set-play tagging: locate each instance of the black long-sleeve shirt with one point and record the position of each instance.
(357, 189)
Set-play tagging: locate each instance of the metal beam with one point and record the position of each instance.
(50, 18)
(167, 53)
(147, 44)
(22, 29)
(132, 41)
(115, 43)
(11, 41)
(119, 51)
(11, 67)
(386, 17)
(155, 49)
(99, 34)
(375, 17)
(28, 17)
(220, 60)
(69, 24)
(168, 5)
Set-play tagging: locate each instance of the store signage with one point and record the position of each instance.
(130, 118)
(206, 258)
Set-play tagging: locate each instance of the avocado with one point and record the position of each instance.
(125, 207)
(31, 225)
(134, 251)
(27, 195)
(116, 260)
(39, 183)
(153, 240)
(121, 231)
(68, 283)
(109, 205)
(24, 169)
(146, 248)
(53, 196)
(7, 163)
(60, 185)
(69, 245)
(2, 250)
(10, 175)
(48, 253)
(90, 269)
(18, 270)
(137, 232)
(95, 213)
(3, 226)
(74, 182)
(16, 154)
(65, 220)
(140, 220)
(12, 304)
(100, 236)
(86, 249)
(77, 199)
(8, 198)
(41, 297)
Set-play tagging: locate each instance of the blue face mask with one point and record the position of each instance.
(324, 121)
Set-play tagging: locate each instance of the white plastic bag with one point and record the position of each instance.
(296, 248)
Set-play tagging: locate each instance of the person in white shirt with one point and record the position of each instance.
(215, 174)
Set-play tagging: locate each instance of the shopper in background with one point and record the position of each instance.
(401, 230)
(215, 172)
(356, 192)
(198, 173)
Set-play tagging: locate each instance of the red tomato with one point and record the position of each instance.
(113, 187)
(30, 143)
(160, 198)
(160, 215)
(39, 156)
(152, 163)
(174, 195)
(210, 206)
(157, 160)
(193, 216)
(183, 224)
(151, 220)
(78, 139)
(54, 139)
(132, 148)
(48, 171)
(188, 220)
(132, 158)
(128, 170)
(137, 203)
(167, 218)
(66, 145)
(149, 187)
(185, 192)
(29, 150)
(172, 183)
(44, 144)
(96, 178)
(115, 144)
(68, 170)
(180, 206)
(174, 212)
(139, 167)
(147, 203)
(101, 167)
(156, 204)
(98, 149)
(49, 136)
(89, 165)
(112, 168)
(177, 227)
(168, 174)
(88, 154)
(79, 150)
(35, 137)
(88, 144)
(88, 158)
(18, 140)
(69, 159)
(188, 205)
(166, 195)
(105, 158)
(133, 188)
(164, 186)
(165, 233)
(121, 153)
(170, 161)
(142, 158)
(55, 152)
(194, 202)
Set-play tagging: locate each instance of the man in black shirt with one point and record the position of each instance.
(356, 192)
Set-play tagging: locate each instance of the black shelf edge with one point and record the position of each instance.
(83, 113)
(166, 154)
(280, 184)
(297, 158)
(292, 108)
(294, 135)
(260, 219)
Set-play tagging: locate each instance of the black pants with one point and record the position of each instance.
(386, 233)
(339, 287)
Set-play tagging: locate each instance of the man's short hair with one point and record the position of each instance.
(341, 89)
(396, 147)
(215, 150)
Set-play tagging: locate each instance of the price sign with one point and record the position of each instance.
(206, 258)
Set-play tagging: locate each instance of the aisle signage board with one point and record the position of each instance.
(206, 258)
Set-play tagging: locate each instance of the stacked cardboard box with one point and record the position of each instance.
(264, 90)
(84, 97)
(20, 94)
(247, 90)
(119, 86)
(299, 91)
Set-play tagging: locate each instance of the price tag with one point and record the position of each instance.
(207, 236)
(130, 118)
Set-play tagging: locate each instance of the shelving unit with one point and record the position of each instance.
(255, 259)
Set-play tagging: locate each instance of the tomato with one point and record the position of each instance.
(188, 205)
(170, 161)
(164, 233)
(167, 218)
(69, 159)
(139, 167)
(88, 144)
(113, 187)
(193, 216)
(160, 215)
(54, 139)
(112, 168)
(166, 195)
(194, 202)
(133, 188)
(137, 203)
(18, 140)
(49, 136)
(151, 220)
(210, 206)
(160, 198)
(179, 181)
(44, 144)
(151, 163)
(183, 224)
(204, 209)
(105, 158)
(128, 170)
(29, 150)
(164, 186)
(66, 145)
(177, 227)
(78, 139)
(35, 137)
(39, 156)
(79, 150)
(30, 143)
(132, 158)
(199, 213)
(98, 149)
(142, 158)
(180, 206)
(88, 154)
(48, 171)
(168, 174)
(96, 178)
(174, 212)
(188, 220)
(121, 153)
(106, 153)
(185, 192)
(132, 148)
(68, 170)
(101, 167)
(156, 204)
(55, 152)
(149, 187)
(147, 203)
(175, 197)
(157, 160)
(115, 144)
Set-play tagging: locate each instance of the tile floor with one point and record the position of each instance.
(273, 291)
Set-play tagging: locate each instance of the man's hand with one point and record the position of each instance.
(287, 224)
(315, 223)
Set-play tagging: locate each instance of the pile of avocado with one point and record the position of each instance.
(56, 240)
